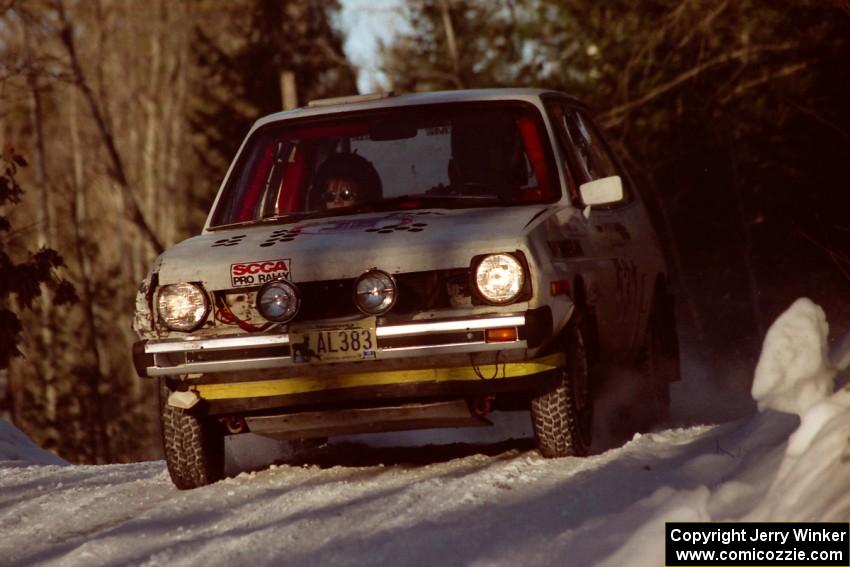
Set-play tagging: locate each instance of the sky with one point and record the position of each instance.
(365, 23)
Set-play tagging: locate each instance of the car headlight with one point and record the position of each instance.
(278, 301)
(499, 278)
(182, 307)
(374, 292)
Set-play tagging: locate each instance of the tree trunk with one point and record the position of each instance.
(97, 425)
(117, 169)
(748, 251)
(451, 42)
(46, 238)
(288, 90)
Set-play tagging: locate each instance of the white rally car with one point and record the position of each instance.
(388, 262)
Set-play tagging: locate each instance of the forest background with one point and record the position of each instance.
(118, 119)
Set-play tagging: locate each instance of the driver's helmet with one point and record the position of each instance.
(344, 180)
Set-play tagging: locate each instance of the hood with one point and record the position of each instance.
(345, 247)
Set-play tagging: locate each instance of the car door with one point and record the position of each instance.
(615, 233)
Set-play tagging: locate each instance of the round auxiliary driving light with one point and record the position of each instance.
(499, 278)
(374, 292)
(183, 306)
(278, 301)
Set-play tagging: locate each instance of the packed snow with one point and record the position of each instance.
(466, 503)
(16, 448)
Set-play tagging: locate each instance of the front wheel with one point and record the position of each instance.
(194, 445)
(563, 417)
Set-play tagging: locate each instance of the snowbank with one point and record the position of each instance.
(794, 372)
(15, 446)
(759, 472)
(797, 375)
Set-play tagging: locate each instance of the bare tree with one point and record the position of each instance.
(66, 33)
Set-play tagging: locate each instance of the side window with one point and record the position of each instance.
(591, 153)
(556, 117)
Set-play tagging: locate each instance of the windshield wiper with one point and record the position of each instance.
(287, 217)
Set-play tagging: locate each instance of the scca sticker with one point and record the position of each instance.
(258, 273)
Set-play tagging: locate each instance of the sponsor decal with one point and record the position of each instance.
(258, 273)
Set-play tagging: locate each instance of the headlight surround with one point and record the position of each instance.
(375, 292)
(278, 301)
(499, 278)
(183, 306)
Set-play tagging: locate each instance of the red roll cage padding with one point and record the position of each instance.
(293, 180)
(295, 170)
(261, 172)
(537, 156)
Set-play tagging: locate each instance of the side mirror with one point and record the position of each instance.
(603, 191)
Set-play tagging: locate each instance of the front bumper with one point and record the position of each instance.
(233, 394)
(259, 352)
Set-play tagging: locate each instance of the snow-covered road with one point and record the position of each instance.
(500, 504)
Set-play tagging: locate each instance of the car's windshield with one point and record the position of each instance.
(451, 155)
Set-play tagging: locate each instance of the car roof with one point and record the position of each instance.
(390, 100)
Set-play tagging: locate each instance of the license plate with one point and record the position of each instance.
(337, 343)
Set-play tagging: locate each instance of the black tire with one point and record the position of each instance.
(194, 446)
(563, 417)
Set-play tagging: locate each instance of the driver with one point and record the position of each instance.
(345, 180)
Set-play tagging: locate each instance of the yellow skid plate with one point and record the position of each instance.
(300, 385)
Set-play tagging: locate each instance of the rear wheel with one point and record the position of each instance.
(563, 417)
(194, 445)
(659, 358)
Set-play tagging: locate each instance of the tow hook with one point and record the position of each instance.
(234, 424)
(482, 405)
